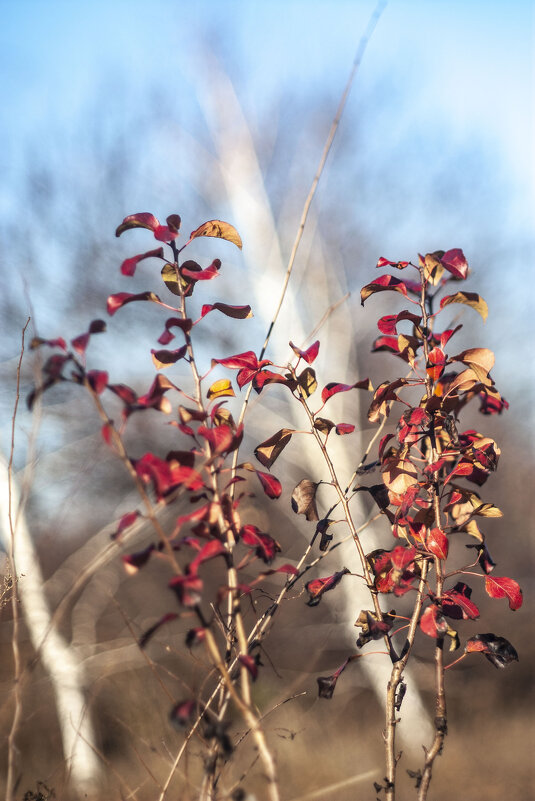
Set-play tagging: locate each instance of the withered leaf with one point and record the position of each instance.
(304, 499)
(269, 450)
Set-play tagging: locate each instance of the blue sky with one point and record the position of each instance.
(444, 105)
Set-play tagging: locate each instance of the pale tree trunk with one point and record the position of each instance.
(242, 177)
(59, 660)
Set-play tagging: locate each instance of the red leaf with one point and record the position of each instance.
(344, 428)
(310, 354)
(152, 469)
(125, 522)
(237, 312)
(124, 392)
(51, 343)
(174, 322)
(209, 551)
(81, 342)
(115, 302)
(447, 335)
(266, 548)
(240, 360)
(98, 380)
(385, 263)
(388, 324)
(128, 267)
(385, 344)
(394, 570)
(433, 623)
(140, 220)
(455, 262)
(382, 284)
(271, 485)
(222, 439)
(317, 587)
(335, 387)
(456, 603)
(203, 275)
(503, 587)
(263, 377)
(437, 543)
(436, 362)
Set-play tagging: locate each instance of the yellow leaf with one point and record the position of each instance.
(221, 389)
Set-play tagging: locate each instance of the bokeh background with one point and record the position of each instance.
(220, 110)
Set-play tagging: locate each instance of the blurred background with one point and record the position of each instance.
(221, 110)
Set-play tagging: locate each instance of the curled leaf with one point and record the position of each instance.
(310, 354)
(128, 267)
(382, 284)
(326, 684)
(220, 389)
(468, 299)
(304, 499)
(269, 450)
(317, 587)
(164, 358)
(115, 302)
(237, 312)
(496, 649)
(220, 229)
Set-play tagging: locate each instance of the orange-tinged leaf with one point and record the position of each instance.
(463, 382)
(471, 299)
(503, 587)
(220, 229)
(480, 360)
(437, 543)
(221, 389)
(399, 474)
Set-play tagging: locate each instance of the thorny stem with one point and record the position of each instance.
(12, 750)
